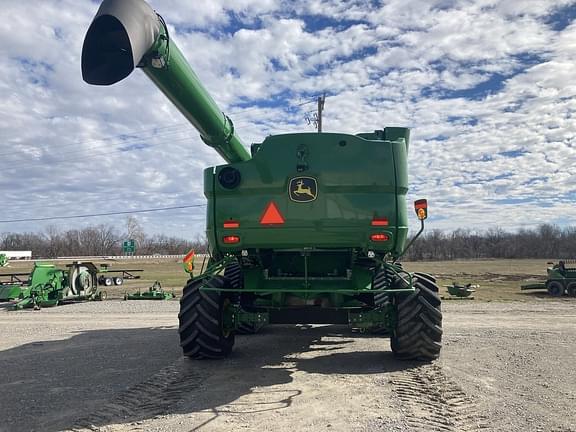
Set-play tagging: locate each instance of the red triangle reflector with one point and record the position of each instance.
(271, 215)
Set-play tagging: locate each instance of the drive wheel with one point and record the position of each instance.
(418, 331)
(572, 289)
(205, 330)
(380, 281)
(555, 288)
(430, 279)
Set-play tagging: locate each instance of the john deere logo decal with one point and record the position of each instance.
(303, 189)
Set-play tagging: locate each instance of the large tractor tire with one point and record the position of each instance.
(418, 331)
(571, 289)
(233, 273)
(555, 288)
(203, 332)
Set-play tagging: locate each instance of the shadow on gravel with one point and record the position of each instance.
(258, 375)
(46, 385)
(125, 376)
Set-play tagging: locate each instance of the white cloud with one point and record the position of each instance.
(393, 64)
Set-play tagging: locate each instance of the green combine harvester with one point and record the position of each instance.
(306, 228)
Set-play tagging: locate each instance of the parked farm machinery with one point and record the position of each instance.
(458, 291)
(155, 292)
(306, 228)
(48, 285)
(561, 279)
(110, 277)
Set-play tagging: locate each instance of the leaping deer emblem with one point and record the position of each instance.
(303, 190)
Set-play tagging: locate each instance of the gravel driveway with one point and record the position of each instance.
(117, 366)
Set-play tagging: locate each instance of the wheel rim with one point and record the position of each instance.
(555, 289)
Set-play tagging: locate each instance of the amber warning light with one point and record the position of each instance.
(421, 207)
(188, 262)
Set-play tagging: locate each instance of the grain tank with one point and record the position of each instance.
(306, 228)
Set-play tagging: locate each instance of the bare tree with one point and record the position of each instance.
(134, 231)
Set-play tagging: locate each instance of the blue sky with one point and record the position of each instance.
(487, 87)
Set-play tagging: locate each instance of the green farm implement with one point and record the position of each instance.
(460, 292)
(155, 292)
(561, 279)
(48, 285)
(11, 285)
(305, 228)
(3, 260)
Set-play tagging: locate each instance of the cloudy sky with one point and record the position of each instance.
(488, 88)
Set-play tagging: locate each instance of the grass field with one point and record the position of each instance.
(499, 280)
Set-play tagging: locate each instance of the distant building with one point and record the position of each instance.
(17, 254)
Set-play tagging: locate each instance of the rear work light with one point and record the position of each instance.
(379, 237)
(231, 239)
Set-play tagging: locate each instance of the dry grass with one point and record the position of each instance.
(499, 280)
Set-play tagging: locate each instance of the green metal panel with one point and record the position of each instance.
(358, 180)
(10, 292)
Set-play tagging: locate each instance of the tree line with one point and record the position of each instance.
(545, 241)
(97, 240)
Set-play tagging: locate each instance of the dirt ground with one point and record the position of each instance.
(117, 366)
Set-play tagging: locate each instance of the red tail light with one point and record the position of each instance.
(231, 239)
(380, 222)
(379, 237)
(231, 224)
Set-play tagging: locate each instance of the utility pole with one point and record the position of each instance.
(321, 100)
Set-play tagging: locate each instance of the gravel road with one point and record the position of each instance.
(116, 366)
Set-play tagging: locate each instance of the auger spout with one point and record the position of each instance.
(126, 34)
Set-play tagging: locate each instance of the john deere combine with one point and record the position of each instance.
(308, 228)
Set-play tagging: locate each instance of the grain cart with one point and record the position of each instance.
(561, 279)
(307, 228)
